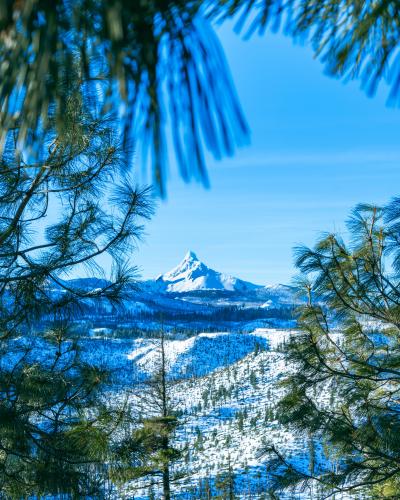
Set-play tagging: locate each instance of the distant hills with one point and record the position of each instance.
(194, 297)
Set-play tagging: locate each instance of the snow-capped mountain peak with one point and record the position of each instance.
(189, 268)
(190, 256)
(191, 274)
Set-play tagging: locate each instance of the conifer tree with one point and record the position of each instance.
(130, 52)
(126, 55)
(153, 452)
(225, 482)
(56, 429)
(344, 391)
(355, 40)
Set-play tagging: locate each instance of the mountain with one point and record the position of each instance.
(191, 297)
(87, 284)
(192, 275)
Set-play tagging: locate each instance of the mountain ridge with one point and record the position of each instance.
(192, 277)
(191, 274)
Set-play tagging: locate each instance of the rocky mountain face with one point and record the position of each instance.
(191, 274)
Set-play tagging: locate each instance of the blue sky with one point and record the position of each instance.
(318, 147)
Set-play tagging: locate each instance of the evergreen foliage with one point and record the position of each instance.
(225, 483)
(149, 452)
(354, 39)
(125, 53)
(131, 52)
(56, 430)
(344, 392)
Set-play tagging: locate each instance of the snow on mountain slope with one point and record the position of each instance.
(197, 355)
(192, 274)
(228, 416)
(193, 287)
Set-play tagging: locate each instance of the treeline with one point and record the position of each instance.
(227, 313)
(212, 314)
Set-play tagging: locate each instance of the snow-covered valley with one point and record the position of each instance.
(227, 414)
(224, 387)
(224, 367)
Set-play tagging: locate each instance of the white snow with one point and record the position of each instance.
(213, 406)
(192, 274)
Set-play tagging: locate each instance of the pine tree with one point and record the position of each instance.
(150, 449)
(253, 379)
(240, 420)
(56, 430)
(225, 482)
(146, 47)
(207, 489)
(125, 55)
(355, 40)
(348, 352)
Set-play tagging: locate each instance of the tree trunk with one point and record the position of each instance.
(166, 483)
(166, 475)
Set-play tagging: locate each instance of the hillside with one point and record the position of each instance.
(228, 416)
(224, 387)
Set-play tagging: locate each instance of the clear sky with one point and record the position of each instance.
(318, 147)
